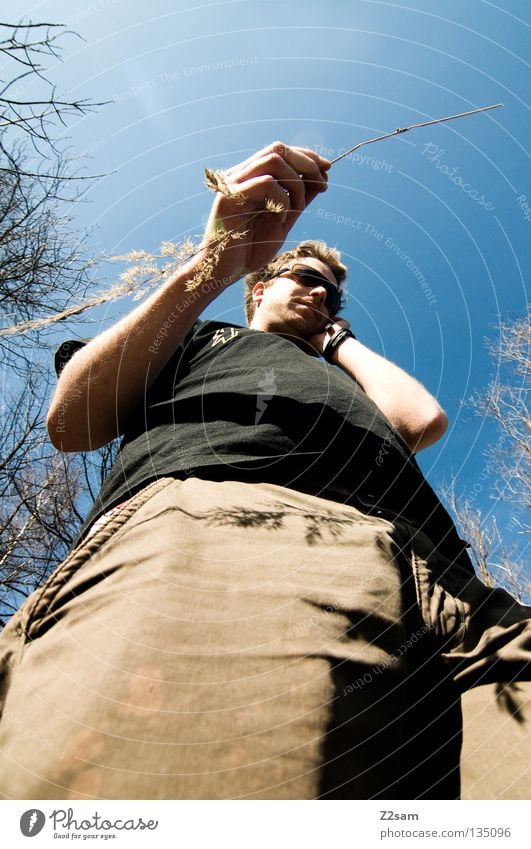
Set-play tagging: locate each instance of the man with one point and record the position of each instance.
(268, 600)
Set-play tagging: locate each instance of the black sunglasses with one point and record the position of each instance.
(311, 277)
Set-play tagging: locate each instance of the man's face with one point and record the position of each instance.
(296, 301)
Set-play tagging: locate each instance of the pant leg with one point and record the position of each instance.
(226, 640)
(497, 742)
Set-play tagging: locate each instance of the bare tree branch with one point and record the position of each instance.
(500, 557)
(43, 269)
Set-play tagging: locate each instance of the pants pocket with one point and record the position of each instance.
(444, 614)
(440, 587)
(37, 606)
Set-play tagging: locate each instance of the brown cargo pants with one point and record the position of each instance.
(215, 640)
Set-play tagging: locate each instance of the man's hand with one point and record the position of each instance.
(331, 327)
(289, 176)
(410, 408)
(107, 379)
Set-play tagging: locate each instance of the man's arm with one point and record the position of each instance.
(104, 381)
(410, 408)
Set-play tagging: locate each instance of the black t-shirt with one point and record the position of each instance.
(241, 404)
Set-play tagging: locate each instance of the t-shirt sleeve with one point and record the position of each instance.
(66, 351)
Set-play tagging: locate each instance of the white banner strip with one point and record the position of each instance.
(263, 824)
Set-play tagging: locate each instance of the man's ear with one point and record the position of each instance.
(258, 292)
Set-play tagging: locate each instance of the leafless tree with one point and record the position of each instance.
(44, 264)
(500, 557)
(506, 402)
(44, 267)
(29, 103)
(498, 562)
(44, 495)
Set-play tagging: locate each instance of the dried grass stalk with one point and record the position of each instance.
(148, 270)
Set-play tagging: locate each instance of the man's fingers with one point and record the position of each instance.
(296, 156)
(312, 190)
(299, 157)
(258, 190)
(291, 166)
(306, 162)
(312, 168)
(272, 165)
(291, 177)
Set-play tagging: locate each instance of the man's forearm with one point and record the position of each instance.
(104, 381)
(410, 408)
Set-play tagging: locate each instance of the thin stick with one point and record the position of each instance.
(414, 127)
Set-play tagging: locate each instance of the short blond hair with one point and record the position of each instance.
(314, 248)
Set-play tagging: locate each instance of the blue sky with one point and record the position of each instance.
(432, 224)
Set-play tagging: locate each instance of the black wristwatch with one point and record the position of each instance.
(335, 341)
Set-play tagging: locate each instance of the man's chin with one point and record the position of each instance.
(302, 324)
(314, 321)
(319, 325)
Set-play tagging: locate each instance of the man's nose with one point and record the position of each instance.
(319, 293)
